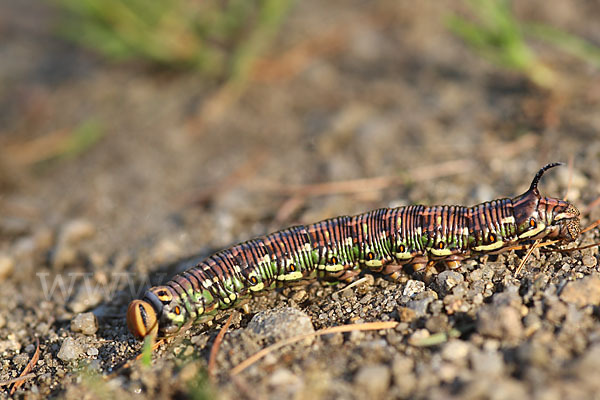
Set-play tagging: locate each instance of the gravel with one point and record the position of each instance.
(85, 323)
(389, 94)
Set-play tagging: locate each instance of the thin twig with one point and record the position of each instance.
(369, 326)
(370, 184)
(524, 260)
(212, 361)
(17, 379)
(28, 367)
(591, 226)
(591, 206)
(575, 248)
(355, 283)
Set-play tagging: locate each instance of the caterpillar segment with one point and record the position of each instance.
(386, 240)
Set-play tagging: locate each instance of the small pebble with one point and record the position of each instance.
(21, 359)
(69, 350)
(413, 287)
(487, 363)
(85, 323)
(420, 306)
(589, 261)
(582, 292)
(92, 351)
(446, 280)
(406, 314)
(500, 322)
(278, 324)
(418, 336)
(455, 350)
(375, 379)
(7, 266)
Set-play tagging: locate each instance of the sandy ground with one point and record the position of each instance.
(355, 92)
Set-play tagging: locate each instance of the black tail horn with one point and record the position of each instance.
(538, 176)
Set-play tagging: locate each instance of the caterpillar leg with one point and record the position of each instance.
(395, 273)
(347, 275)
(452, 264)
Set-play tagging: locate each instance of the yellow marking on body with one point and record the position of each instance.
(321, 266)
(563, 215)
(404, 256)
(258, 287)
(488, 247)
(226, 300)
(533, 232)
(206, 283)
(419, 230)
(307, 247)
(365, 227)
(334, 268)
(440, 252)
(508, 220)
(176, 318)
(465, 231)
(232, 296)
(290, 276)
(399, 221)
(349, 241)
(439, 220)
(373, 263)
(216, 279)
(327, 235)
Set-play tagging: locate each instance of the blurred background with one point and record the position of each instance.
(126, 112)
(174, 127)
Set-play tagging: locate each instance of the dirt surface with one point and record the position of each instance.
(353, 91)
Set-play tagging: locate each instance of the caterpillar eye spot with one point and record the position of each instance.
(402, 248)
(334, 260)
(253, 280)
(292, 268)
(177, 310)
(492, 238)
(441, 245)
(532, 223)
(370, 256)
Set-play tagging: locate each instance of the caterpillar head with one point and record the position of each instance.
(545, 217)
(159, 312)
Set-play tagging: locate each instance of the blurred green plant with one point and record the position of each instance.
(200, 387)
(500, 37)
(218, 38)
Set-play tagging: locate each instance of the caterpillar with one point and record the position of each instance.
(386, 240)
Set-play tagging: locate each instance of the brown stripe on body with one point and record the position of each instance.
(430, 227)
(381, 234)
(279, 249)
(338, 231)
(391, 226)
(253, 251)
(299, 238)
(361, 234)
(290, 244)
(319, 239)
(411, 222)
